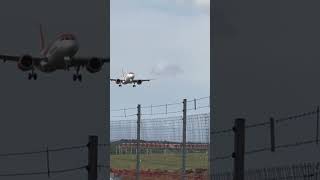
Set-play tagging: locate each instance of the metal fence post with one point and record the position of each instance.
(272, 135)
(317, 136)
(138, 143)
(239, 149)
(184, 139)
(210, 143)
(93, 158)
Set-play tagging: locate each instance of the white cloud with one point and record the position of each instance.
(166, 69)
(198, 3)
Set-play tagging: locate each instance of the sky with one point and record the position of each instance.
(165, 40)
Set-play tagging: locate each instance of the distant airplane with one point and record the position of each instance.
(59, 55)
(128, 78)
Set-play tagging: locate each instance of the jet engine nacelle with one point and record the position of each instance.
(118, 81)
(25, 63)
(94, 65)
(139, 82)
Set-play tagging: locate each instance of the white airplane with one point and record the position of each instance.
(128, 78)
(58, 55)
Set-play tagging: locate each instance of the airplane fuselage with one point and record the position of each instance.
(129, 77)
(59, 53)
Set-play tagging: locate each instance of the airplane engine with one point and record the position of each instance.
(139, 82)
(25, 63)
(118, 81)
(94, 65)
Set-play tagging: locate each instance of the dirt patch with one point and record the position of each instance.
(126, 174)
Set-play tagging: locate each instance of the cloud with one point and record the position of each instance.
(198, 3)
(202, 2)
(165, 69)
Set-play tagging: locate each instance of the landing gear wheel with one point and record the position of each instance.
(80, 77)
(77, 77)
(134, 85)
(35, 76)
(29, 76)
(74, 77)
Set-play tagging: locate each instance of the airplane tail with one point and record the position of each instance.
(42, 39)
(123, 74)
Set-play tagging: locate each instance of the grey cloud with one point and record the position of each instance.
(167, 70)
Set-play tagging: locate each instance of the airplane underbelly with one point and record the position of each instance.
(54, 62)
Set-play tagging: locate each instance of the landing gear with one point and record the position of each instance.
(77, 75)
(120, 85)
(134, 85)
(32, 75)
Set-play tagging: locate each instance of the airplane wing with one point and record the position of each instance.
(141, 80)
(17, 58)
(82, 61)
(113, 79)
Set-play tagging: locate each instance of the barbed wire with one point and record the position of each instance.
(43, 172)
(42, 151)
(295, 116)
(167, 105)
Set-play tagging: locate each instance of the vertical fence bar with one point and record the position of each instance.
(93, 158)
(48, 163)
(138, 142)
(272, 135)
(239, 149)
(317, 136)
(210, 143)
(184, 139)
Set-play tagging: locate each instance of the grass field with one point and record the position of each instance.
(160, 161)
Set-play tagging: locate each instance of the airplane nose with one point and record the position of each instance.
(71, 46)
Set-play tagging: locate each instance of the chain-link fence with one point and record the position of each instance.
(167, 141)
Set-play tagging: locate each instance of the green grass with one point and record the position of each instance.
(160, 161)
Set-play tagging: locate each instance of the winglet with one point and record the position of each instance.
(42, 40)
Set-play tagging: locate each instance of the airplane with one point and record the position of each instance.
(58, 55)
(128, 78)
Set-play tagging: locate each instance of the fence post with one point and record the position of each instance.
(210, 143)
(184, 139)
(138, 143)
(48, 163)
(272, 135)
(317, 137)
(239, 149)
(93, 158)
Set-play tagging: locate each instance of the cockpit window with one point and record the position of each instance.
(67, 37)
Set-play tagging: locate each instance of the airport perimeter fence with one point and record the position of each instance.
(247, 141)
(302, 171)
(87, 165)
(177, 147)
(167, 141)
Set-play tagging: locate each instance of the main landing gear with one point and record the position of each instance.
(134, 85)
(32, 75)
(77, 75)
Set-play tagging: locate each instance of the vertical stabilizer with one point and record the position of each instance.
(42, 40)
(123, 74)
